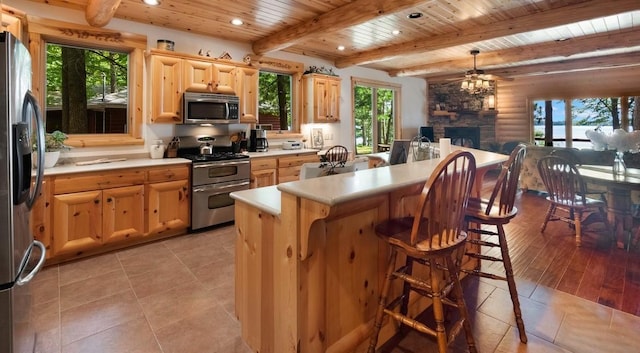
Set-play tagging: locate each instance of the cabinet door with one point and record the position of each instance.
(122, 213)
(321, 100)
(264, 177)
(248, 92)
(198, 76)
(40, 217)
(77, 222)
(166, 89)
(168, 206)
(333, 100)
(224, 79)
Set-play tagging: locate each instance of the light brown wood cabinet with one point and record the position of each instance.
(205, 76)
(289, 167)
(166, 89)
(321, 98)
(168, 206)
(264, 172)
(99, 211)
(174, 73)
(248, 92)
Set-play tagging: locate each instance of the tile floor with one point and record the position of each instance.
(176, 296)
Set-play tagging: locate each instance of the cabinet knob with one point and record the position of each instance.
(109, 199)
(96, 201)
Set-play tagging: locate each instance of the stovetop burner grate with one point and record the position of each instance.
(216, 156)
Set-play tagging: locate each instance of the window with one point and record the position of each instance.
(376, 122)
(280, 96)
(275, 110)
(86, 90)
(48, 36)
(570, 123)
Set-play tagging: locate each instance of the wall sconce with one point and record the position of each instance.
(489, 102)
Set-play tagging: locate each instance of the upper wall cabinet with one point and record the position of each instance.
(248, 92)
(173, 73)
(321, 98)
(204, 76)
(166, 89)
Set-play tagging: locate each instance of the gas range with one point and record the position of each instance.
(213, 177)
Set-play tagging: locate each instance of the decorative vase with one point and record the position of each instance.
(51, 158)
(619, 167)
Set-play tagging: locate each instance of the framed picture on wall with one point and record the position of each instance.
(317, 139)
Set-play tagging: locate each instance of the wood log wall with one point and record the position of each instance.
(514, 98)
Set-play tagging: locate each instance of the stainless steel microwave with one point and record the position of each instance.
(210, 108)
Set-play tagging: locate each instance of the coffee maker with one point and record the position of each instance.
(258, 141)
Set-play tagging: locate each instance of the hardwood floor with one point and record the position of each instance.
(597, 271)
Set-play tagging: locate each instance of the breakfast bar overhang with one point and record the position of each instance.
(308, 263)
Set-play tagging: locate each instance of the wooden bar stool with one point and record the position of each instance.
(497, 211)
(433, 237)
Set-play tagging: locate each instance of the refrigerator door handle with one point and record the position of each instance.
(22, 280)
(29, 99)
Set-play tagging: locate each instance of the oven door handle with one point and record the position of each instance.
(239, 186)
(218, 164)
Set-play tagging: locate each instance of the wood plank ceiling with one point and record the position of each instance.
(515, 38)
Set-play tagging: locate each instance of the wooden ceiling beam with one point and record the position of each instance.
(99, 12)
(351, 14)
(625, 38)
(570, 65)
(546, 19)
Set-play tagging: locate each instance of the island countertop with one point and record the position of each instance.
(336, 189)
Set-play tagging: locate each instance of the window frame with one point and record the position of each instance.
(295, 69)
(42, 31)
(397, 94)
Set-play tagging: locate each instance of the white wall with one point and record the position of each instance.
(414, 90)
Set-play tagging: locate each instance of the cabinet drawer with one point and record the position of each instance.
(288, 174)
(168, 174)
(97, 181)
(298, 160)
(263, 163)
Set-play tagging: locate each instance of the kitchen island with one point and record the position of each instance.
(308, 262)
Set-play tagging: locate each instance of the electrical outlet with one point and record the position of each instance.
(328, 136)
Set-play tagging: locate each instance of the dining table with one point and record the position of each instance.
(619, 202)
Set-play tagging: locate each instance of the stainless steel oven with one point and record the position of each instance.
(212, 182)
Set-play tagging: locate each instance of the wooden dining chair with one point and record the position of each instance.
(488, 214)
(335, 156)
(433, 237)
(566, 193)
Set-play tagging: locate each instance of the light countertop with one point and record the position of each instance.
(336, 189)
(129, 163)
(266, 199)
(148, 162)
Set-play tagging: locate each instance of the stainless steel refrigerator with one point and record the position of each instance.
(21, 257)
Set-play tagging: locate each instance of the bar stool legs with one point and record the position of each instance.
(435, 291)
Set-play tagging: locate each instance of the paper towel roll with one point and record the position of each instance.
(445, 147)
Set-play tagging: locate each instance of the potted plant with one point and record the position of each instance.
(53, 144)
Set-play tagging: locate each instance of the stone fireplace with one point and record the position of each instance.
(461, 117)
(463, 136)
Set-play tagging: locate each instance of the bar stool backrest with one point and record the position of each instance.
(562, 181)
(438, 222)
(507, 184)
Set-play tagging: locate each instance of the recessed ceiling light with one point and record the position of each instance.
(340, 47)
(414, 15)
(151, 2)
(395, 32)
(237, 22)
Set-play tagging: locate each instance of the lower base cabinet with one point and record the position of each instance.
(95, 212)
